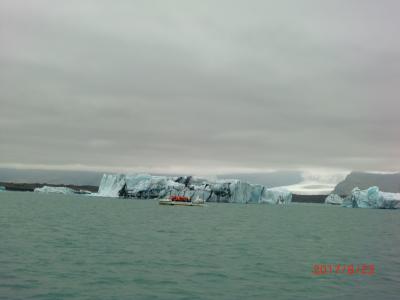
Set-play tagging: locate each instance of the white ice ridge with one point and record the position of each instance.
(145, 186)
(372, 198)
(55, 189)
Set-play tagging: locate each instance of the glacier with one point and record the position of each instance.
(333, 199)
(146, 186)
(317, 182)
(372, 198)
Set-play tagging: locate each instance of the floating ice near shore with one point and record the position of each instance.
(2, 188)
(55, 189)
(60, 190)
(145, 186)
(372, 198)
(334, 199)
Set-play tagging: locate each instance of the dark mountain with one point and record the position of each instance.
(385, 182)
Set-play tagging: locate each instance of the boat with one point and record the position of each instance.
(181, 201)
(169, 202)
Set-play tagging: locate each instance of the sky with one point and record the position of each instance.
(200, 86)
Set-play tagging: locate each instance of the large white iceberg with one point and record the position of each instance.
(111, 185)
(141, 186)
(372, 198)
(278, 195)
(333, 199)
(145, 186)
(55, 189)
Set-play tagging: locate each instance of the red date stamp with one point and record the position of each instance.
(348, 269)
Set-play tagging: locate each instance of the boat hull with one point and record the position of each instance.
(179, 203)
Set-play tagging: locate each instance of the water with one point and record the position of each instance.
(77, 247)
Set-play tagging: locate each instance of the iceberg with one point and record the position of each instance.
(111, 185)
(237, 191)
(2, 188)
(145, 186)
(334, 199)
(232, 191)
(278, 195)
(55, 189)
(372, 198)
(142, 186)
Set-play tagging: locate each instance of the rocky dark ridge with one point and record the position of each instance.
(386, 182)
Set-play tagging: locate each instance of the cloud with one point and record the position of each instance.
(200, 85)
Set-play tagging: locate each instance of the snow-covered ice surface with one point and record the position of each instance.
(372, 198)
(145, 186)
(55, 189)
(334, 199)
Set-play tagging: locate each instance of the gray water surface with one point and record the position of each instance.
(77, 247)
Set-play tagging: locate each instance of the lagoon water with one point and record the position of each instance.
(77, 247)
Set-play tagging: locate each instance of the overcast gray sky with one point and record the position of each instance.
(200, 85)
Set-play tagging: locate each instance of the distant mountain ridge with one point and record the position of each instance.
(385, 181)
(54, 177)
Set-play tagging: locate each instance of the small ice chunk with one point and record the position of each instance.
(334, 199)
(55, 189)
